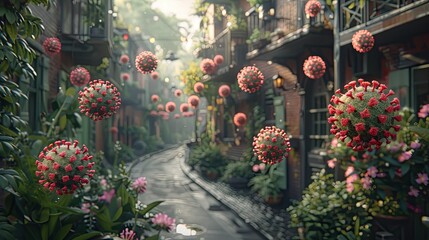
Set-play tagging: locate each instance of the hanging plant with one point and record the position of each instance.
(184, 107)
(363, 41)
(312, 8)
(198, 87)
(208, 66)
(64, 167)
(154, 75)
(154, 98)
(170, 106)
(124, 59)
(146, 62)
(125, 76)
(224, 91)
(250, 79)
(178, 93)
(314, 67)
(271, 145)
(218, 59)
(79, 76)
(240, 119)
(194, 101)
(52, 46)
(100, 100)
(364, 116)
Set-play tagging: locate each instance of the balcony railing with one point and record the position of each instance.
(357, 12)
(231, 45)
(287, 17)
(86, 28)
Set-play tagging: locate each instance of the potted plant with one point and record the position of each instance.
(265, 185)
(237, 174)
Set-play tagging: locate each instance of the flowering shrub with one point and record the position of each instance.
(139, 185)
(100, 100)
(178, 93)
(218, 59)
(314, 67)
(79, 76)
(364, 115)
(124, 59)
(146, 62)
(127, 234)
(240, 119)
(125, 76)
(154, 98)
(52, 46)
(164, 222)
(154, 75)
(250, 79)
(224, 91)
(194, 101)
(198, 87)
(271, 145)
(64, 167)
(170, 106)
(184, 107)
(312, 8)
(362, 41)
(208, 66)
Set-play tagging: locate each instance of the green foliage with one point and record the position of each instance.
(190, 76)
(240, 169)
(328, 211)
(266, 185)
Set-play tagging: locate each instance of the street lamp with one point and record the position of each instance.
(219, 100)
(279, 81)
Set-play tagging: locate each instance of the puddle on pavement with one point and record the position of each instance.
(189, 229)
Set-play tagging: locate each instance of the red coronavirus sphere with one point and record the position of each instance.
(79, 76)
(250, 79)
(146, 62)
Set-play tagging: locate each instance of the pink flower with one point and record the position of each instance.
(404, 156)
(350, 187)
(163, 221)
(331, 163)
(372, 172)
(255, 168)
(413, 192)
(366, 182)
(127, 234)
(139, 185)
(422, 178)
(334, 142)
(424, 111)
(107, 196)
(103, 182)
(262, 166)
(415, 145)
(85, 207)
(349, 171)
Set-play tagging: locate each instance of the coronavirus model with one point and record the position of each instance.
(125, 76)
(100, 100)
(79, 76)
(194, 101)
(314, 67)
(178, 93)
(170, 106)
(208, 66)
(312, 8)
(154, 98)
(362, 41)
(146, 62)
(224, 91)
(240, 119)
(271, 145)
(364, 116)
(63, 167)
(218, 59)
(198, 87)
(124, 59)
(52, 46)
(250, 79)
(154, 75)
(184, 107)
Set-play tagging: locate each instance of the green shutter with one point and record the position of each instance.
(280, 123)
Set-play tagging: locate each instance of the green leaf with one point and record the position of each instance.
(12, 31)
(405, 168)
(44, 231)
(150, 207)
(63, 122)
(154, 237)
(87, 236)
(62, 233)
(6, 235)
(71, 91)
(117, 214)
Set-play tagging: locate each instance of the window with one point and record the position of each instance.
(318, 113)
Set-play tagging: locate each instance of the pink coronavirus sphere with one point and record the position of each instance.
(312, 8)
(154, 75)
(153, 113)
(124, 59)
(170, 106)
(184, 107)
(364, 116)
(271, 145)
(176, 116)
(146, 62)
(198, 87)
(79, 76)
(240, 119)
(362, 41)
(100, 100)
(218, 59)
(114, 130)
(250, 79)
(52, 46)
(160, 107)
(164, 115)
(194, 100)
(314, 67)
(178, 93)
(188, 114)
(208, 66)
(224, 91)
(154, 98)
(125, 76)
(63, 167)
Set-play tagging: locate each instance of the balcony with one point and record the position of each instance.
(386, 18)
(86, 30)
(285, 30)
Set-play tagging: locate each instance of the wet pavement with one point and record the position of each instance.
(198, 214)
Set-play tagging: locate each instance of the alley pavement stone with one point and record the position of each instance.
(271, 222)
